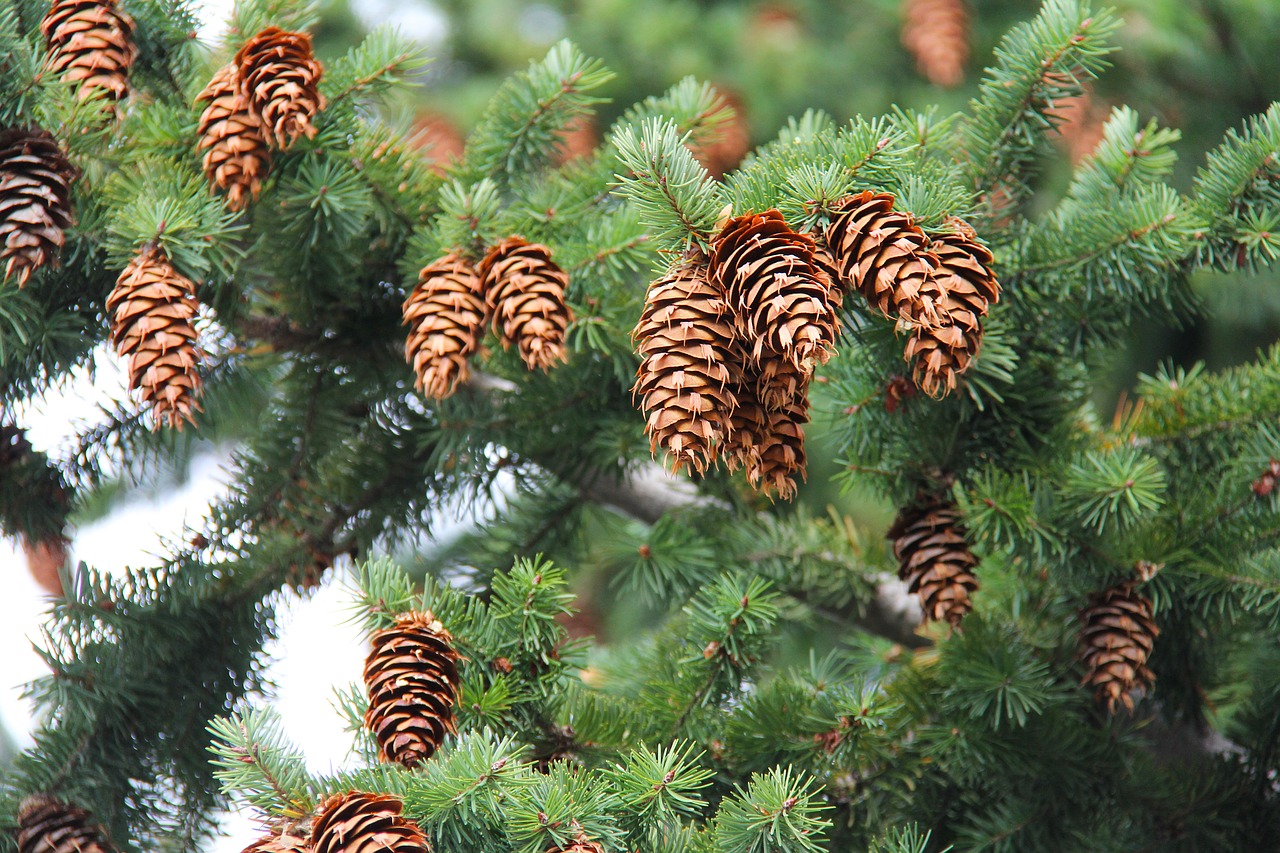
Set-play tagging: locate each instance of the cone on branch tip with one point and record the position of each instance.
(48, 825)
(685, 339)
(280, 76)
(936, 32)
(357, 822)
(1117, 633)
(35, 201)
(152, 309)
(778, 455)
(934, 559)
(446, 316)
(90, 43)
(236, 158)
(411, 678)
(524, 291)
(940, 354)
(780, 296)
(883, 255)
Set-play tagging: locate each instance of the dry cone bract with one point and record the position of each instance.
(90, 43)
(235, 148)
(446, 316)
(939, 354)
(934, 559)
(280, 76)
(1118, 630)
(411, 677)
(780, 295)
(357, 822)
(35, 201)
(524, 290)
(685, 381)
(47, 825)
(152, 308)
(936, 32)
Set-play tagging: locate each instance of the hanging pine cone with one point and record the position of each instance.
(446, 316)
(936, 32)
(580, 845)
(280, 76)
(883, 254)
(235, 148)
(934, 559)
(152, 308)
(357, 822)
(35, 201)
(411, 677)
(778, 455)
(1118, 630)
(781, 298)
(941, 353)
(779, 383)
(747, 422)
(47, 825)
(524, 290)
(90, 43)
(686, 340)
(282, 843)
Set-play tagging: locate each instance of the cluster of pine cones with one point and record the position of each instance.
(266, 98)
(517, 287)
(729, 340)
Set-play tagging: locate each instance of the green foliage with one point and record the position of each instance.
(673, 193)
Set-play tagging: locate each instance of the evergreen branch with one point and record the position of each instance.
(253, 759)
(674, 195)
(1038, 65)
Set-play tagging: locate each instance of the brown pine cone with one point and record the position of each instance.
(236, 158)
(1117, 633)
(941, 353)
(411, 677)
(936, 32)
(35, 201)
(779, 453)
(781, 298)
(90, 43)
(446, 316)
(882, 254)
(934, 559)
(47, 825)
(152, 308)
(686, 340)
(747, 424)
(357, 822)
(281, 76)
(524, 290)
(1266, 482)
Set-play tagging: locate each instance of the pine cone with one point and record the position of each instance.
(581, 845)
(1118, 630)
(35, 201)
(152, 307)
(936, 32)
(747, 424)
(883, 254)
(781, 297)
(1266, 482)
(356, 822)
(778, 455)
(280, 77)
(941, 353)
(934, 559)
(686, 340)
(282, 843)
(446, 316)
(235, 148)
(411, 677)
(47, 825)
(524, 289)
(90, 43)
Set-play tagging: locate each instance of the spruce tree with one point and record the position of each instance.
(1064, 640)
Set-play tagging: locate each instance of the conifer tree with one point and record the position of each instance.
(1002, 668)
